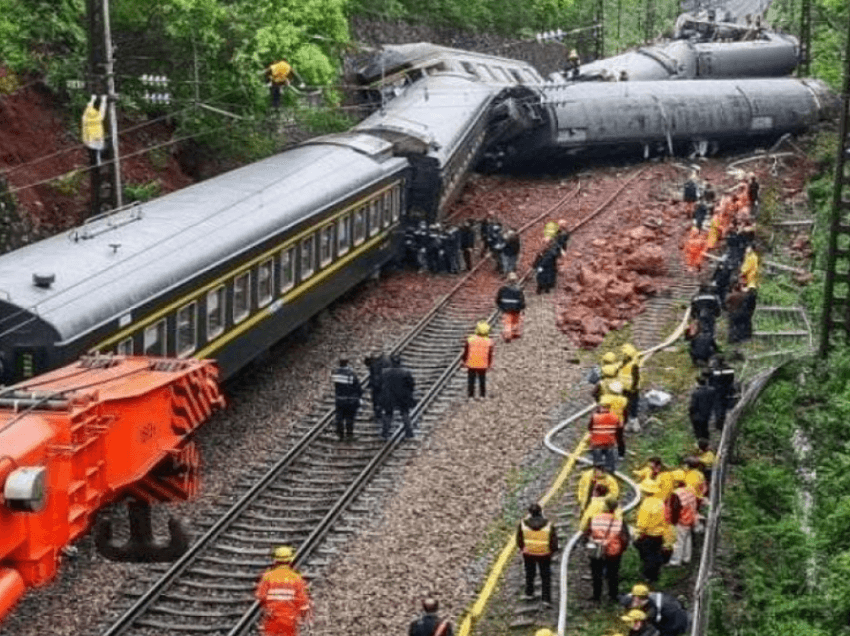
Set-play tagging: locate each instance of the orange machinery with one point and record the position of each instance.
(92, 433)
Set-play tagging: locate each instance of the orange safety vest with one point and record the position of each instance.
(283, 594)
(603, 429)
(478, 352)
(605, 529)
(688, 510)
(536, 542)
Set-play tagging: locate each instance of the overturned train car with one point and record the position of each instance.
(649, 118)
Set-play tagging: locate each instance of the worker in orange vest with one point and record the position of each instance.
(606, 433)
(478, 357)
(283, 595)
(682, 506)
(538, 540)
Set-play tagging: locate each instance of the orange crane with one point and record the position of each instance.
(101, 430)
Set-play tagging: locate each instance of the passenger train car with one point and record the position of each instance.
(225, 268)
(221, 269)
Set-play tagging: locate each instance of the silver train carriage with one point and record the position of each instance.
(439, 124)
(770, 55)
(222, 269)
(683, 117)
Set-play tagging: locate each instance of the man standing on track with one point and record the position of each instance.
(283, 595)
(397, 393)
(429, 624)
(478, 358)
(537, 539)
(347, 393)
(511, 301)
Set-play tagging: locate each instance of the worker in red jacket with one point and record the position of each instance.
(478, 357)
(282, 593)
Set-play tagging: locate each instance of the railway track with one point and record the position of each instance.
(301, 499)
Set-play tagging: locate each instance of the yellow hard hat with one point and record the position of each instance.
(482, 328)
(283, 554)
(544, 632)
(640, 590)
(609, 370)
(633, 616)
(629, 350)
(609, 358)
(677, 475)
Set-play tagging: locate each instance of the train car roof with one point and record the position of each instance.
(393, 58)
(106, 267)
(433, 115)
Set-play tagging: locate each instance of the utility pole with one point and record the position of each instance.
(804, 68)
(101, 81)
(835, 320)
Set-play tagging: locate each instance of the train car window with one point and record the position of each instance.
(308, 257)
(488, 72)
(241, 296)
(469, 68)
(387, 201)
(187, 329)
(326, 243)
(374, 218)
(155, 339)
(343, 238)
(359, 226)
(265, 283)
(396, 203)
(287, 269)
(517, 77)
(125, 347)
(215, 312)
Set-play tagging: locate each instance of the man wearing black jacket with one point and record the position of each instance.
(429, 624)
(397, 394)
(511, 301)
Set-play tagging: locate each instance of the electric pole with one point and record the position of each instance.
(101, 81)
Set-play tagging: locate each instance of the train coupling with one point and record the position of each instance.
(141, 547)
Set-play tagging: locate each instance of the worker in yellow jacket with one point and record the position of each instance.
(93, 131)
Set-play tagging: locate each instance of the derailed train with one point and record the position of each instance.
(225, 268)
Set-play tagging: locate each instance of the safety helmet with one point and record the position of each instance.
(544, 631)
(609, 358)
(573, 53)
(482, 328)
(609, 370)
(512, 277)
(283, 554)
(616, 387)
(678, 475)
(640, 590)
(633, 616)
(628, 350)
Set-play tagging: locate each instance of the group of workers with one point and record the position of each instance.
(436, 249)
(500, 242)
(393, 389)
(735, 280)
